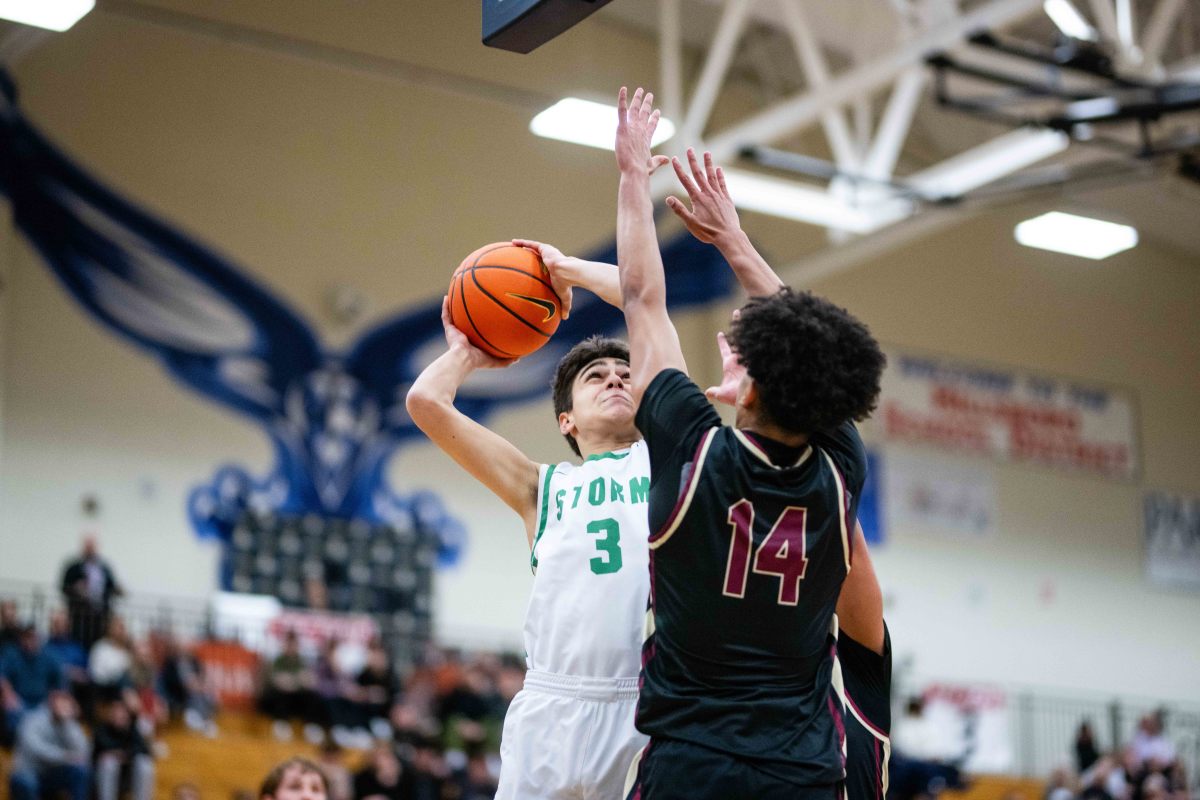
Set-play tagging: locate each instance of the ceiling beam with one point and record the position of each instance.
(804, 108)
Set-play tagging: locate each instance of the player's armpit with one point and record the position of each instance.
(860, 605)
(490, 458)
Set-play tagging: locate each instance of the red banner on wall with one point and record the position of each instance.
(1008, 415)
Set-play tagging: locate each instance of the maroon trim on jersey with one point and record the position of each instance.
(697, 468)
(845, 511)
(864, 719)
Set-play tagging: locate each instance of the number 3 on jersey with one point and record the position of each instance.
(609, 545)
(780, 554)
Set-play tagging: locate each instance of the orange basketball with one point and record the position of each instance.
(501, 298)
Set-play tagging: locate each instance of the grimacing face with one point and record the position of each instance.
(601, 401)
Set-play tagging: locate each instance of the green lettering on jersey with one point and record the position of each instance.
(558, 502)
(639, 489)
(596, 491)
(618, 492)
(575, 502)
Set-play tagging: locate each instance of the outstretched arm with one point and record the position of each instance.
(713, 219)
(860, 605)
(490, 458)
(653, 341)
(568, 272)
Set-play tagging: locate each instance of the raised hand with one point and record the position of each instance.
(459, 341)
(637, 120)
(557, 265)
(713, 216)
(731, 375)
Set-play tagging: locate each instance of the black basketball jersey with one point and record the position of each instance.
(750, 543)
(867, 691)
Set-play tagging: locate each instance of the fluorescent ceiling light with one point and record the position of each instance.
(1075, 235)
(57, 15)
(990, 161)
(585, 122)
(1069, 20)
(791, 200)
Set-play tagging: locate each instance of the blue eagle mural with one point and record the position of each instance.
(334, 418)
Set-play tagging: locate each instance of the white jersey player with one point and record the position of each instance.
(570, 732)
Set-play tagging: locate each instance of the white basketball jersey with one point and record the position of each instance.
(591, 566)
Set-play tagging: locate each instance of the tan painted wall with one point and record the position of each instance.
(310, 174)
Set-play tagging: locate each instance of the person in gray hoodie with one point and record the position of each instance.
(52, 752)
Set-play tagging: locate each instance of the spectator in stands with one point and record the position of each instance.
(144, 698)
(70, 655)
(89, 586)
(110, 661)
(289, 689)
(10, 625)
(430, 771)
(52, 753)
(377, 689)
(383, 777)
(331, 760)
(334, 689)
(122, 756)
(27, 676)
(1086, 753)
(1059, 787)
(475, 780)
(182, 681)
(185, 791)
(295, 779)
(1150, 747)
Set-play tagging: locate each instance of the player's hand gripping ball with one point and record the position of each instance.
(501, 298)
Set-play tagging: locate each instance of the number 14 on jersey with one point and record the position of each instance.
(781, 554)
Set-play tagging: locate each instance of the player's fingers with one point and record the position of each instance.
(697, 173)
(647, 104)
(681, 210)
(721, 181)
(656, 162)
(688, 186)
(652, 123)
(710, 171)
(530, 243)
(622, 97)
(635, 104)
(723, 345)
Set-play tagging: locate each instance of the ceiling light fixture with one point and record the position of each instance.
(589, 123)
(55, 15)
(1069, 20)
(1077, 236)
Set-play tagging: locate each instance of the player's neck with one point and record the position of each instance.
(775, 433)
(599, 447)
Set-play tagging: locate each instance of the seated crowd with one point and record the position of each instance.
(84, 721)
(1148, 767)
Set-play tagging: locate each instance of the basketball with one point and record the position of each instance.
(501, 298)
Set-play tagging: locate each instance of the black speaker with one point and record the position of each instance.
(523, 25)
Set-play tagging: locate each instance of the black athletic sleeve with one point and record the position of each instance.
(868, 678)
(845, 447)
(672, 417)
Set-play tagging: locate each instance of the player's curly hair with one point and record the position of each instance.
(816, 366)
(572, 364)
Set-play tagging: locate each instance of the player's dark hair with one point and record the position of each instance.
(572, 364)
(816, 366)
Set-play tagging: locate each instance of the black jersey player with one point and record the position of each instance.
(864, 647)
(750, 525)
